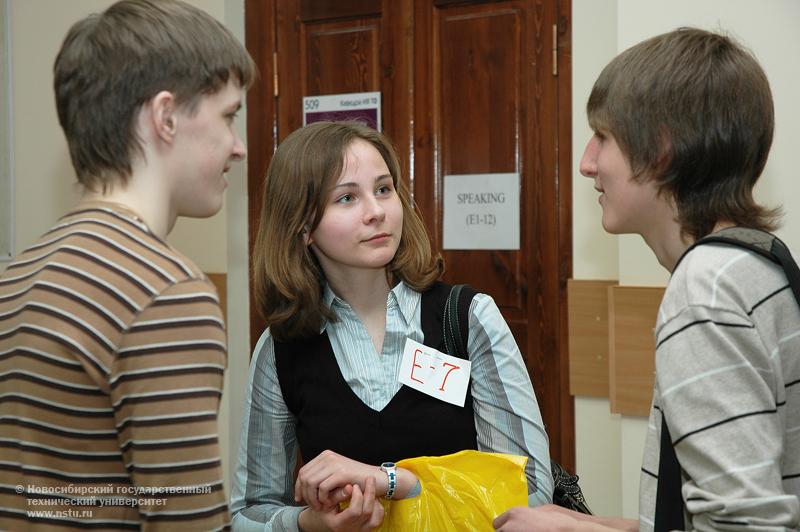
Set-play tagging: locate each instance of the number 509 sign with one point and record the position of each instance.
(362, 106)
(432, 372)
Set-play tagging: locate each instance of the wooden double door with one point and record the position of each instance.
(467, 87)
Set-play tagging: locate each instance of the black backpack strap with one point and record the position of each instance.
(456, 320)
(780, 250)
(765, 244)
(669, 499)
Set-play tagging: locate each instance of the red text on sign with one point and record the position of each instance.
(449, 368)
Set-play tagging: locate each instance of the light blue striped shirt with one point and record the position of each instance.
(507, 416)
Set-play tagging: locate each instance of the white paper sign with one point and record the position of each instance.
(362, 106)
(481, 211)
(434, 373)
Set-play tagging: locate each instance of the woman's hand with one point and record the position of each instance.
(319, 481)
(364, 513)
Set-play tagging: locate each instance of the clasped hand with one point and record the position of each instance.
(330, 479)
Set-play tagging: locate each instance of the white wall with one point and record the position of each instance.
(597, 432)
(594, 44)
(602, 28)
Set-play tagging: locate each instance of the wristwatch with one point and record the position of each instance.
(391, 471)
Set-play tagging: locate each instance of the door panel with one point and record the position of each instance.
(354, 46)
(487, 102)
(467, 87)
(340, 56)
(479, 56)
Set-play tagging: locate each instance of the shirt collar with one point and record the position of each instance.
(401, 296)
(110, 206)
(407, 299)
(328, 296)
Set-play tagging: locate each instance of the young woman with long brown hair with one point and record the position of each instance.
(345, 275)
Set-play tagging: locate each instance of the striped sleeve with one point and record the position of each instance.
(262, 497)
(507, 416)
(165, 387)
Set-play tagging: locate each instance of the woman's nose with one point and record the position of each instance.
(373, 210)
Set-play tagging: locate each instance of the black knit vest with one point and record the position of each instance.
(330, 416)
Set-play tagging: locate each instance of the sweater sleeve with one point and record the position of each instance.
(166, 384)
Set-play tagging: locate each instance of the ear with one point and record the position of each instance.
(164, 116)
(307, 237)
(664, 155)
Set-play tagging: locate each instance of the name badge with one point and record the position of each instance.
(434, 373)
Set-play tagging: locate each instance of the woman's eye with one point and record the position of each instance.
(384, 189)
(346, 198)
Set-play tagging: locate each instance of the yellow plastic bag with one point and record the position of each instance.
(464, 491)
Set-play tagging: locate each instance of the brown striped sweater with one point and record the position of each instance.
(112, 354)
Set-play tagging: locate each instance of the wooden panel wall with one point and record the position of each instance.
(612, 343)
(587, 303)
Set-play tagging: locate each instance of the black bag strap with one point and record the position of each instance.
(780, 250)
(456, 320)
(765, 244)
(669, 499)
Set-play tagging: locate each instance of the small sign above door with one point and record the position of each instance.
(361, 106)
(481, 211)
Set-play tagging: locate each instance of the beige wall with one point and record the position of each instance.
(6, 192)
(44, 179)
(238, 285)
(602, 28)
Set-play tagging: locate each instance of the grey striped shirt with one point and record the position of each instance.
(728, 381)
(507, 416)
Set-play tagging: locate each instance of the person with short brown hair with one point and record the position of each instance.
(683, 123)
(112, 343)
(142, 46)
(345, 276)
(692, 112)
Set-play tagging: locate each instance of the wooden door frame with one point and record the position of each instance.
(262, 125)
(566, 452)
(262, 135)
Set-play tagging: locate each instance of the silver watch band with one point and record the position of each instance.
(391, 472)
